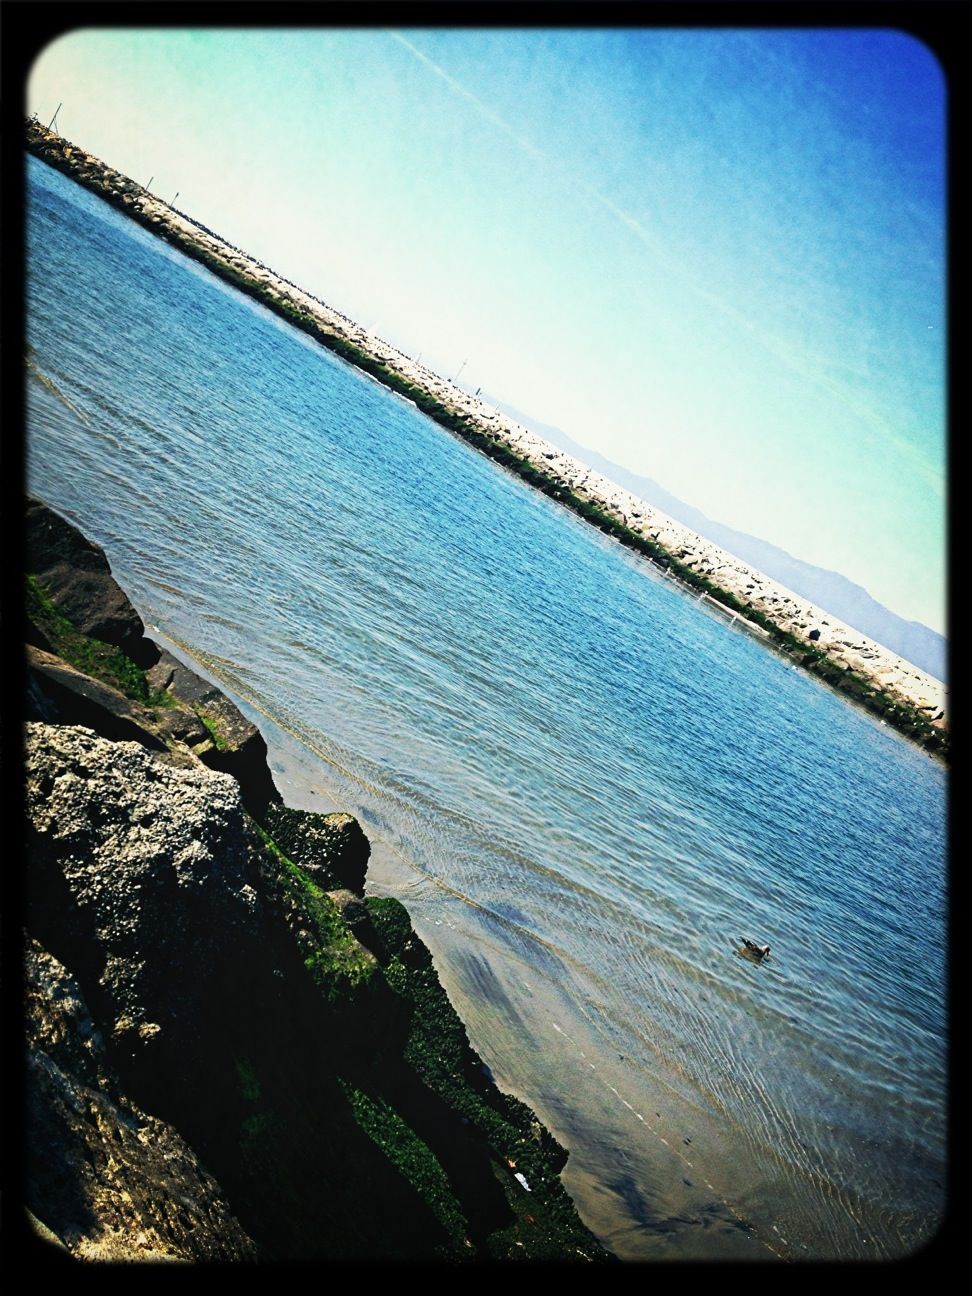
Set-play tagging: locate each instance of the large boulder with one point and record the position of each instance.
(151, 883)
(58, 692)
(332, 848)
(231, 997)
(237, 746)
(145, 880)
(78, 579)
(102, 1178)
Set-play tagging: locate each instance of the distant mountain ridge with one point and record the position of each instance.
(916, 643)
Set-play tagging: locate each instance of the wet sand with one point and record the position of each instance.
(631, 1170)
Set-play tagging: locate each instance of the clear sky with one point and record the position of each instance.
(716, 257)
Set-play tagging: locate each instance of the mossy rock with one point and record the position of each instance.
(332, 849)
(546, 1223)
(77, 582)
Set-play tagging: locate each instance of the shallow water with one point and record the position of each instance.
(585, 785)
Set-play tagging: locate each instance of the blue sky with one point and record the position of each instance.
(717, 257)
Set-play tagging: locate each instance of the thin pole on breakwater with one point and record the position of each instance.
(54, 118)
(149, 185)
(704, 597)
(733, 616)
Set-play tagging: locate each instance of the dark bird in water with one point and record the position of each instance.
(758, 952)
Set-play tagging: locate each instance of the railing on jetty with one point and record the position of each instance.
(733, 617)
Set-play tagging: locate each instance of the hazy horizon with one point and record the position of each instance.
(572, 447)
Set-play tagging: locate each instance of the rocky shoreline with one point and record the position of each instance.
(233, 1054)
(903, 696)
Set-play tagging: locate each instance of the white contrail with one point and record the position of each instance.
(789, 356)
(461, 90)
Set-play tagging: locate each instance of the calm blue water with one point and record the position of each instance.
(585, 786)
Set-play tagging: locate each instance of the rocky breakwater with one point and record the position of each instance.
(233, 1053)
(903, 696)
(814, 635)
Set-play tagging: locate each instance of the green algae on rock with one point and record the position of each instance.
(238, 989)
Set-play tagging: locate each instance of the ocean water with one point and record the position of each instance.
(585, 786)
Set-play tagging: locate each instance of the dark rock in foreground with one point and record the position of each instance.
(238, 747)
(106, 1180)
(114, 680)
(76, 572)
(233, 1053)
(298, 1041)
(151, 857)
(331, 848)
